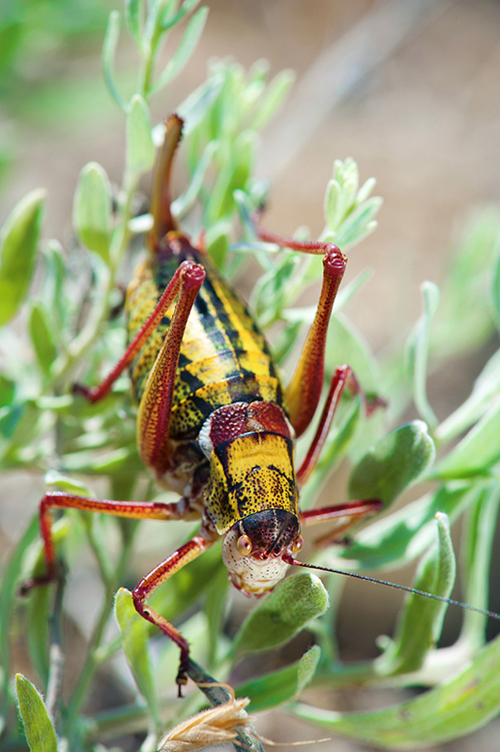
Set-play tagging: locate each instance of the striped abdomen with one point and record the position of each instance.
(224, 358)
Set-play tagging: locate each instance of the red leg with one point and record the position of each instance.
(161, 199)
(158, 576)
(186, 269)
(140, 510)
(304, 390)
(153, 419)
(346, 515)
(342, 375)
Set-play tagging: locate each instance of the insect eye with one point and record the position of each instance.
(297, 544)
(244, 545)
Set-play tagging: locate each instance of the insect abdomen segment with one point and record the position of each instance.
(224, 358)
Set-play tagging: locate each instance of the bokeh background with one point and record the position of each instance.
(409, 88)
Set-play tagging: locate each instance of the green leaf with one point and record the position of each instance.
(108, 58)
(134, 631)
(38, 639)
(133, 11)
(217, 242)
(38, 727)
(184, 203)
(418, 351)
(483, 396)
(478, 532)
(283, 613)
(92, 209)
(400, 537)
(421, 621)
(365, 190)
(7, 391)
(170, 19)
(64, 483)
(196, 106)
(41, 336)
(278, 687)
(8, 591)
(184, 51)
(18, 245)
(141, 152)
(273, 98)
(215, 608)
(393, 463)
(358, 224)
(465, 320)
(495, 288)
(332, 205)
(476, 453)
(455, 708)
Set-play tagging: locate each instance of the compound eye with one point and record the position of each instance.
(244, 545)
(297, 544)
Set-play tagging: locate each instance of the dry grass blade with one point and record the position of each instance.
(211, 726)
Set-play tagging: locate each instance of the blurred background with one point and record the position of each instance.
(410, 89)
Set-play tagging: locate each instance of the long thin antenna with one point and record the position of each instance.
(414, 591)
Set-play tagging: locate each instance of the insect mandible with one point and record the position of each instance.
(214, 422)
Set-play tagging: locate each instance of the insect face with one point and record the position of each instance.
(255, 550)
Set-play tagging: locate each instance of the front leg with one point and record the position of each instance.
(186, 553)
(345, 516)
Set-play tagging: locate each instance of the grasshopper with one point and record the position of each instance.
(214, 422)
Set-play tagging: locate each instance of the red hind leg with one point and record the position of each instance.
(304, 391)
(186, 270)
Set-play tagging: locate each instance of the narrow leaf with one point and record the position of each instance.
(184, 203)
(185, 49)
(273, 98)
(195, 107)
(41, 337)
(280, 686)
(141, 153)
(92, 209)
(393, 463)
(133, 20)
(421, 620)
(8, 591)
(38, 727)
(108, 58)
(18, 245)
(455, 708)
(495, 288)
(418, 352)
(400, 537)
(353, 229)
(483, 396)
(365, 190)
(477, 451)
(478, 531)
(168, 20)
(285, 611)
(332, 205)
